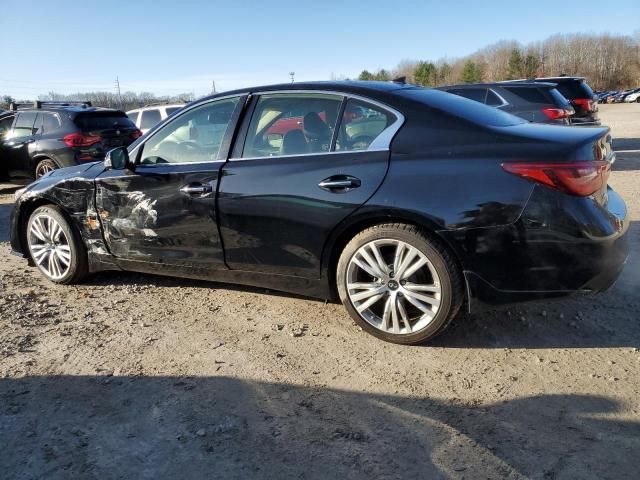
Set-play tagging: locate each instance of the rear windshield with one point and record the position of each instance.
(572, 89)
(103, 121)
(461, 107)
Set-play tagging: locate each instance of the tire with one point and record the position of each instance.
(399, 316)
(44, 166)
(55, 246)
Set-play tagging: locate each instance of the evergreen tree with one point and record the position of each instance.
(425, 74)
(471, 73)
(514, 69)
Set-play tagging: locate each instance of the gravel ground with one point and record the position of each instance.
(133, 376)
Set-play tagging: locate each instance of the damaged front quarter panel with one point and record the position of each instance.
(72, 190)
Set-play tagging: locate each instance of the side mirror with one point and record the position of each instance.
(117, 159)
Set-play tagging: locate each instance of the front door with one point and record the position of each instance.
(164, 211)
(17, 144)
(297, 175)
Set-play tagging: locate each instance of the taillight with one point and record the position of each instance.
(575, 178)
(136, 134)
(81, 140)
(584, 103)
(556, 113)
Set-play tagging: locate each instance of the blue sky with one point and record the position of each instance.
(181, 46)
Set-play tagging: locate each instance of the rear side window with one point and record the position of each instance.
(150, 118)
(24, 124)
(361, 125)
(477, 94)
(50, 122)
(171, 110)
(528, 94)
(133, 116)
(292, 124)
(89, 122)
(462, 107)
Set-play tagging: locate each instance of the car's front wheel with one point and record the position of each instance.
(55, 246)
(398, 284)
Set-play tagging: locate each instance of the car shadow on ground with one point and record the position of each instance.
(627, 154)
(224, 427)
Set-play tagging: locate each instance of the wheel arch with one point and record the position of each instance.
(26, 209)
(356, 224)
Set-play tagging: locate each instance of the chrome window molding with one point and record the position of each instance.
(312, 154)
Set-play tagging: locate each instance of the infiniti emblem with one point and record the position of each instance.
(393, 285)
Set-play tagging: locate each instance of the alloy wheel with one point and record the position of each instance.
(43, 168)
(393, 286)
(49, 246)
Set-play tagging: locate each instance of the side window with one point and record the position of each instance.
(48, 123)
(24, 124)
(194, 136)
(361, 125)
(5, 125)
(292, 124)
(133, 116)
(492, 99)
(171, 110)
(477, 94)
(150, 118)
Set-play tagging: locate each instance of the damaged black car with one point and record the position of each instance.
(408, 204)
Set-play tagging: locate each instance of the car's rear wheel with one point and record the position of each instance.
(398, 284)
(55, 246)
(45, 166)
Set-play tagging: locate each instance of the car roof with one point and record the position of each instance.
(554, 79)
(67, 108)
(372, 89)
(152, 107)
(514, 83)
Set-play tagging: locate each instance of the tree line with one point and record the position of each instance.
(125, 101)
(607, 61)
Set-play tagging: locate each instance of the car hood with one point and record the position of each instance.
(85, 170)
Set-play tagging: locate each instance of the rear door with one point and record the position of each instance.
(302, 164)
(164, 212)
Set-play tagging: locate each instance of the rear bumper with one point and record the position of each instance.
(561, 245)
(585, 122)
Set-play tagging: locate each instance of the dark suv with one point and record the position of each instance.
(38, 137)
(535, 102)
(579, 93)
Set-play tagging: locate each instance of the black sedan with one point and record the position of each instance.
(410, 204)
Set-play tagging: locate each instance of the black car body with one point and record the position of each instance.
(535, 102)
(514, 210)
(579, 93)
(47, 135)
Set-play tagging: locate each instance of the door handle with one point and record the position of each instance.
(340, 183)
(197, 189)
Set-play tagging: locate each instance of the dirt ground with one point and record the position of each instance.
(134, 376)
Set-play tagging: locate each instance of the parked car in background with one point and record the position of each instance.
(619, 98)
(578, 92)
(609, 98)
(634, 96)
(406, 223)
(535, 102)
(36, 138)
(148, 117)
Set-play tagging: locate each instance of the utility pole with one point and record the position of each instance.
(213, 87)
(292, 74)
(118, 90)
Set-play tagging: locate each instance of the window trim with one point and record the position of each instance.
(504, 102)
(381, 143)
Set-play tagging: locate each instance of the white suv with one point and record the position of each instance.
(147, 117)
